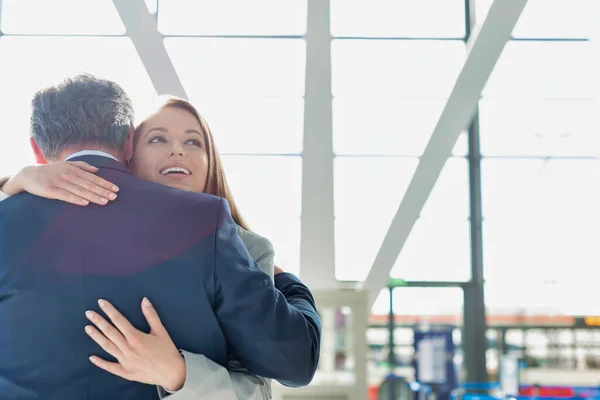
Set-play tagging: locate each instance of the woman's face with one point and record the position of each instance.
(171, 150)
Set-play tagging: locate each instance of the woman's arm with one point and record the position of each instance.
(258, 319)
(152, 358)
(72, 182)
(207, 379)
(204, 375)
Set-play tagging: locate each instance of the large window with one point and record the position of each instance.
(540, 171)
(540, 18)
(39, 61)
(398, 18)
(241, 64)
(387, 97)
(232, 17)
(394, 63)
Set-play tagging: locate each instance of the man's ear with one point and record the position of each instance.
(39, 157)
(129, 144)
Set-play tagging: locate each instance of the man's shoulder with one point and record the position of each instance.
(148, 188)
(22, 200)
(26, 207)
(179, 195)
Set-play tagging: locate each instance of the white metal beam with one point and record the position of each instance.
(484, 48)
(142, 28)
(317, 245)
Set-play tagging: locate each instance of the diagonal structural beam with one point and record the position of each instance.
(317, 245)
(142, 28)
(484, 48)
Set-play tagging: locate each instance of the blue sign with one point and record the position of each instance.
(434, 360)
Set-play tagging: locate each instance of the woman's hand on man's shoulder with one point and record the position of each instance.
(74, 182)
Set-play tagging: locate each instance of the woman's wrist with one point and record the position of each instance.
(176, 379)
(14, 185)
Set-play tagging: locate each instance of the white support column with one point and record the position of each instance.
(142, 28)
(361, 311)
(484, 49)
(317, 248)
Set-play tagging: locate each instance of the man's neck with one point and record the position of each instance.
(68, 152)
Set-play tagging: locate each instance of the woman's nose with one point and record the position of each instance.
(177, 149)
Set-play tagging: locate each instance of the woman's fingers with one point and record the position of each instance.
(84, 166)
(96, 180)
(113, 368)
(107, 345)
(79, 179)
(107, 329)
(152, 317)
(93, 187)
(147, 358)
(73, 182)
(82, 193)
(63, 195)
(122, 323)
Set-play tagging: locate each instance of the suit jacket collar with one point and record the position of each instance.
(102, 162)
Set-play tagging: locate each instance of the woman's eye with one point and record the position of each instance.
(157, 139)
(195, 142)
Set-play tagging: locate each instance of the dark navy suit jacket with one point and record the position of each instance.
(180, 249)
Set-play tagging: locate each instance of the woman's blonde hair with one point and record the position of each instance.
(216, 183)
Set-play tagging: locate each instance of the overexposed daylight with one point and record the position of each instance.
(429, 170)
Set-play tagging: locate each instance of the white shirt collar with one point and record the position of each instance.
(91, 153)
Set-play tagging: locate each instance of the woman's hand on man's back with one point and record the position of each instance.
(70, 181)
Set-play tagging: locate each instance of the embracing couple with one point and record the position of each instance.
(126, 269)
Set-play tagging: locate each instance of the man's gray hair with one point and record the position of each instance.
(83, 110)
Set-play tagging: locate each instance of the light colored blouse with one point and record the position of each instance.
(260, 249)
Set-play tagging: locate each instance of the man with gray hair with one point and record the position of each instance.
(179, 248)
(64, 117)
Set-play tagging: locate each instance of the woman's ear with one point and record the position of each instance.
(39, 157)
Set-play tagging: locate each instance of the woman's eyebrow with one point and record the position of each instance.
(160, 129)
